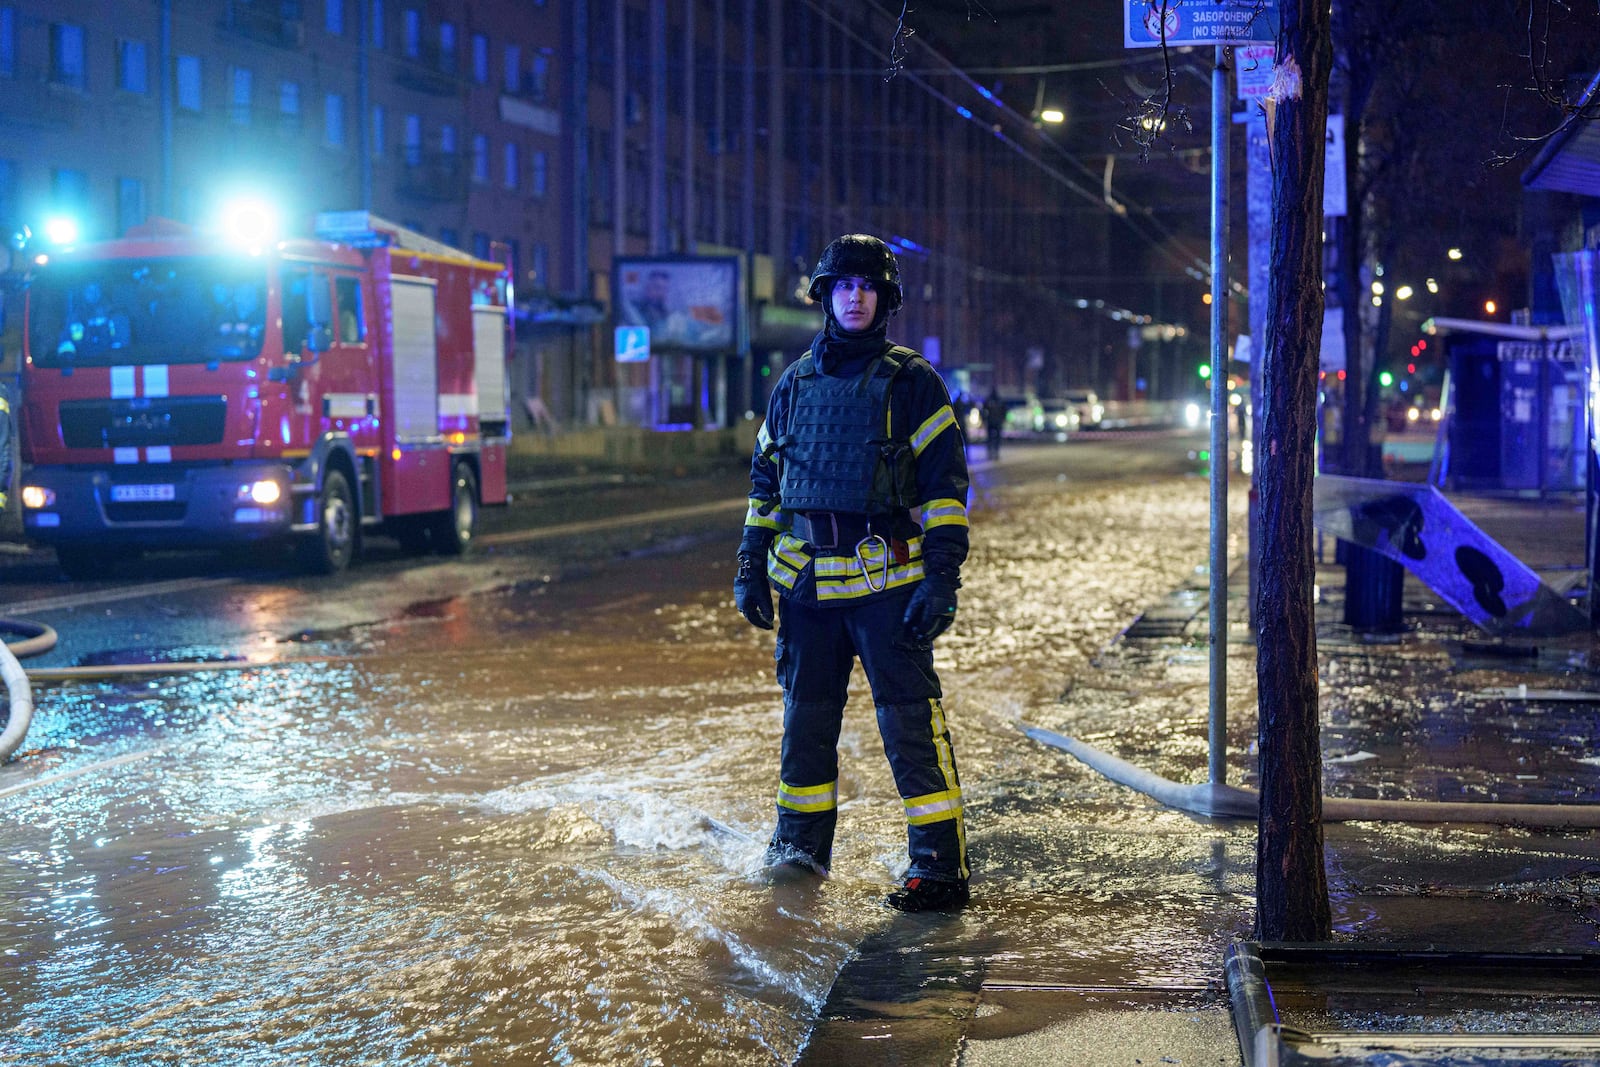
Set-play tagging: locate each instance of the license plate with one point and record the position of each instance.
(123, 494)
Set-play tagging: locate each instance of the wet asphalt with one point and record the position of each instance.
(1432, 711)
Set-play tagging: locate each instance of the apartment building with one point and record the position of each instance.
(570, 134)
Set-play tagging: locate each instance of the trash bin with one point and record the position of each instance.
(1373, 583)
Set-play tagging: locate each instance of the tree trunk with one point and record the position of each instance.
(1291, 886)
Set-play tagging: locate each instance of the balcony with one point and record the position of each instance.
(437, 176)
(264, 21)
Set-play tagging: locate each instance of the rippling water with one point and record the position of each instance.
(524, 825)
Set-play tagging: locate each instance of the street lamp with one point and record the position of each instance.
(1053, 115)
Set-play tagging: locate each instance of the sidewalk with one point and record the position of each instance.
(1438, 712)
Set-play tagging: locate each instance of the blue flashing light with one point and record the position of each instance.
(986, 94)
(963, 112)
(61, 230)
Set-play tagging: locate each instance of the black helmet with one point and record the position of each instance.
(859, 255)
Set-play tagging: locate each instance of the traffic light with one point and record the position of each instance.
(1204, 371)
(1385, 379)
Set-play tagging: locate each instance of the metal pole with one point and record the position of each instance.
(165, 199)
(1221, 118)
(364, 97)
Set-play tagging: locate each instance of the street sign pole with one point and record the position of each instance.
(1221, 120)
(1222, 23)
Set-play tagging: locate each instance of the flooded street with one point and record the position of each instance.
(523, 825)
(517, 818)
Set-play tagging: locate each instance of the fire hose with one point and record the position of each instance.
(36, 638)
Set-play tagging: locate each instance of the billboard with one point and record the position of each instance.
(688, 303)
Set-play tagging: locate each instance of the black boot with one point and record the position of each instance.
(784, 861)
(928, 894)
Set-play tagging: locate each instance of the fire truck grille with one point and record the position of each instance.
(149, 511)
(140, 421)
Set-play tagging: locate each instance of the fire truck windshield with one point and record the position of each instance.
(189, 309)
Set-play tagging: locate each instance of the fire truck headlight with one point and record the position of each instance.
(262, 492)
(36, 496)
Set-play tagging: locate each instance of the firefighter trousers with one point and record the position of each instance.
(816, 650)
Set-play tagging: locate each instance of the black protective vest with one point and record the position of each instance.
(840, 453)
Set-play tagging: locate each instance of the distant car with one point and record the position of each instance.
(1057, 415)
(1090, 409)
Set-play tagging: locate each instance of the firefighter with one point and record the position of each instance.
(858, 513)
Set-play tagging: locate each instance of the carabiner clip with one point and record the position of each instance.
(866, 571)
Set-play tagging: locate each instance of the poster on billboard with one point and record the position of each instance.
(689, 303)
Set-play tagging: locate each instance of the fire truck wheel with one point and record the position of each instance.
(453, 530)
(329, 550)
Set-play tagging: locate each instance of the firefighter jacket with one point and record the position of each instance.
(860, 476)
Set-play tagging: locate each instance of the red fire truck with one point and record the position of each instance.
(182, 389)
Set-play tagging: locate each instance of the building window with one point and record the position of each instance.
(447, 139)
(480, 59)
(540, 76)
(188, 72)
(70, 191)
(133, 67)
(480, 245)
(333, 17)
(447, 47)
(541, 173)
(379, 115)
(539, 269)
(376, 27)
(480, 158)
(450, 236)
(513, 173)
(66, 55)
(413, 140)
(8, 188)
(599, 185)
(289, 106)
(130, 203)
(412, 29)
(8, 41)
(513, 69)
(333, 120)
(241, 87)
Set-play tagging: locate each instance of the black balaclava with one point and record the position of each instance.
(840, 351)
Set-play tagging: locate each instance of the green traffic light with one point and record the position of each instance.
(1205, 370)
(1385, 379)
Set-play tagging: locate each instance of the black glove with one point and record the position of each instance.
(932, 608)
(752, 593)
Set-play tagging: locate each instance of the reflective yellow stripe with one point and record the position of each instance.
(936, 423)
(773, 520)
(944, 512)
(782, 574)
(933, 807)
(763, 438)
(808, 797)
(847, 591)
(788, 549)
(947, 768)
